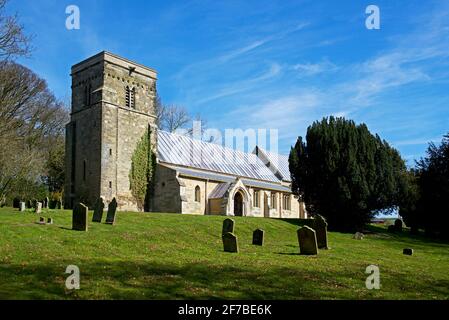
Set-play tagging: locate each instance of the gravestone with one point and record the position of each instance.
(228, 226)
(29, 204)
(230, 243)
(408, 251)
(79, 217)
(16, 203)
(42, 220)
(112, 209)
(320, 227)
(98, 210)
(22, 207)
(258, 237)
(358, 236)
(398, 225)
(38, 208)
(307, 241)
(391, 228)
(50, 221)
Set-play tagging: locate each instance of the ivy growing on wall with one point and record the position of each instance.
(142, 170)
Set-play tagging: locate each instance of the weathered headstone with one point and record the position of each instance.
(230, 242)
(79, 217)
(22, 207)
(258, 237)
(398, 225)
(307, 241)
(38, 208)
(50, 221)
(42, 220)
(320, 227)
(408, 251)
(228, 226)
(358, 236)
(98, 210)
(112, 209)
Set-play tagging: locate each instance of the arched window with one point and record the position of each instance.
(274, 200)
(256, 202)
(87, 94)
(197, 194)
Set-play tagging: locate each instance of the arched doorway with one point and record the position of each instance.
(238, 204)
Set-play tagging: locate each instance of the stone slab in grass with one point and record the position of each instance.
(79, 217)
(307, 241)
(230, 243)
(258, 237)
(408, 251)
(228, 226)
(98, 210)
(112, 210)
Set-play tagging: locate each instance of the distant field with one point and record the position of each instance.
(167, 256)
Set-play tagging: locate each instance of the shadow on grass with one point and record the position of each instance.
(144, 280)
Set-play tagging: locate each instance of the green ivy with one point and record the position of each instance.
(142, 169)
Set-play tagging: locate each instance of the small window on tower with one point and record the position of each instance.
(110, 152)
(130, 97)
(84, 170)
(110, 184)
(127, 97)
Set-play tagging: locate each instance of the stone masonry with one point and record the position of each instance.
(104, 129)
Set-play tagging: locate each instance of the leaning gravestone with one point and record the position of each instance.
(112, 209)
(307, 241)
(98, 210)
(320, 227)
(228, 226)
(38, 208)
(79, 217)
(258, 237)
(230, 243)
(22, 207)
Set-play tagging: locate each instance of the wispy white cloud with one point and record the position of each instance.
(311, 69)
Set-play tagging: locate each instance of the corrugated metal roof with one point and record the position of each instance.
(280, 162)
(219, 191)
(266, 185)
(203, 174)
(184, 151)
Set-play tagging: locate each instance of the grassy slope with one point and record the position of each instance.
(164, 256)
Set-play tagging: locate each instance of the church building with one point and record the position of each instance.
(113, 107)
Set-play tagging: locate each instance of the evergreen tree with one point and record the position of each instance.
(346, 174)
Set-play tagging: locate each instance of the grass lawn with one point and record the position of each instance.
(167, 256)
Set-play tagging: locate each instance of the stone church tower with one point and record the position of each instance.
(112, 107)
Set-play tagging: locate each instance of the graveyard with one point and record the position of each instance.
(172, 256)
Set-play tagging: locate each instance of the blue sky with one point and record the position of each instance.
(292, 61)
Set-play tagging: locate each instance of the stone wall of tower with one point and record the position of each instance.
(108, 130)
